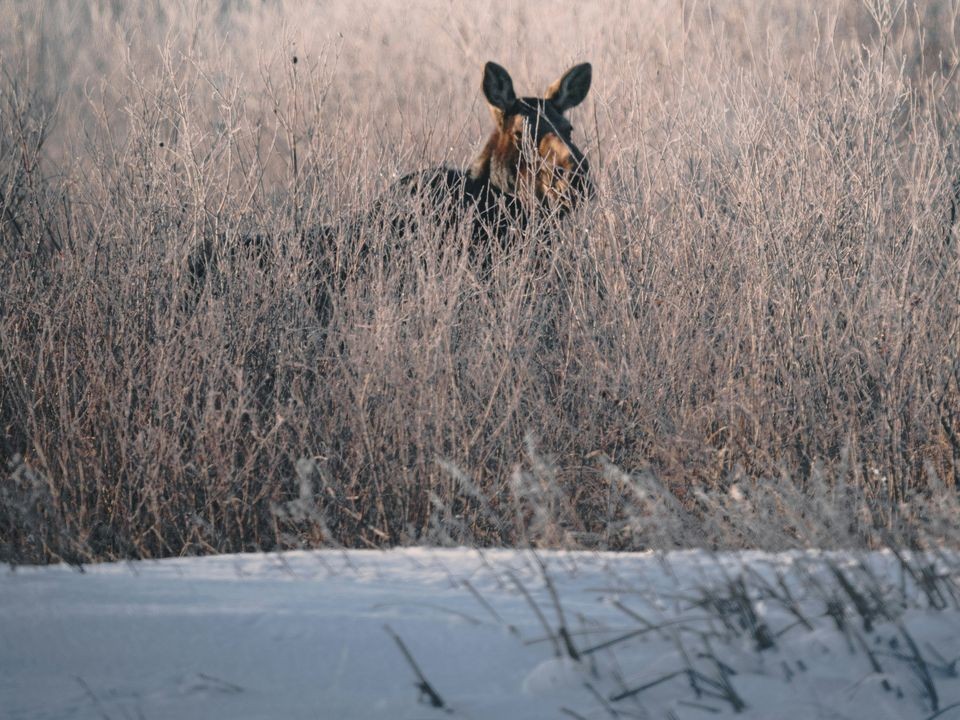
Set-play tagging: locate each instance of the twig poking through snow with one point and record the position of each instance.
(96, 701)
(562, 630)
(423, 684)
(536, 610)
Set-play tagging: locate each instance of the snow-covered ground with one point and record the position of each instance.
(338, 635)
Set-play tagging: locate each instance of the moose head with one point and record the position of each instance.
(530, 153)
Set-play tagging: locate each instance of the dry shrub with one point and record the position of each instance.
(750, 338)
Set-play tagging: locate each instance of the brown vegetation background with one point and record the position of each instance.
(750, 338)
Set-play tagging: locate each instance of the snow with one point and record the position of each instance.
(313, 635)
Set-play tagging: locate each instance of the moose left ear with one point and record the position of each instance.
(570, 90)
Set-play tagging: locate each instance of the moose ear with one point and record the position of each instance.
(570, 90)
(498, 87)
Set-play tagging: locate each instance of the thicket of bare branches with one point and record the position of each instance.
(750, 338)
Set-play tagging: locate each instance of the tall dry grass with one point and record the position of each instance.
(750, 338)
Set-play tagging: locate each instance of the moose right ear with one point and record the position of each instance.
(570, 89)
(498, 87)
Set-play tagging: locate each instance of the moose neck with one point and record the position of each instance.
(497, 163)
